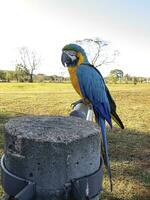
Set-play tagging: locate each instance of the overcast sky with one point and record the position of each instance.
(46, 26)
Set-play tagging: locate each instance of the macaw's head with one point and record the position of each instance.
(73, 55)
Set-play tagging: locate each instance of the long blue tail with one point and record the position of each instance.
(106, 157)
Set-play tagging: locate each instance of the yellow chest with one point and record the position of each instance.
(74, 79)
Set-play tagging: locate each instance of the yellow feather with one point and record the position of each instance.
(74, 79)
(73, 76)
(81, 58)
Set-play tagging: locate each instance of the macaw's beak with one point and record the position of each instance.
(65, 59)
(68, 59)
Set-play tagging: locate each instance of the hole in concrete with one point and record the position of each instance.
(31, 174)
(38, 163)
(11, 198)
(77, 163)
(59, 138)
(10, 146)
(90, 163)
(53, 163)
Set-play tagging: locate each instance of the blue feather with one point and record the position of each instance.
(92, 87)
(104, 138)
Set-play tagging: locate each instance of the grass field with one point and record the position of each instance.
(129, 149)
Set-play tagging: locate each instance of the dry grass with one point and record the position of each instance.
(129, 148)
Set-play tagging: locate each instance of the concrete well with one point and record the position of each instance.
(51, 151)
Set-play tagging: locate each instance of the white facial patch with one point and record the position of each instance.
(71, 54)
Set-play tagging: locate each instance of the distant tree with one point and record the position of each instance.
(127, 78)
(98, 51)
(48, 78)
(10, 75)
(29, 61)
(148, 80)
(112, 79)
(21, 74)
(141, 79)
(117, 72)
(134, 80)
(115, 75)
(2, 75)
(67, 79)
(40, 78)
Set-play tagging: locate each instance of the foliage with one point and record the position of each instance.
(127, 78)
(116, 76)
(112, 79)
(9, 75)
(21, 73)
(2, 75)
(117, 73)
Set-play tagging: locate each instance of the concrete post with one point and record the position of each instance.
(51, 151)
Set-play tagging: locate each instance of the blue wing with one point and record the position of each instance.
(92, 87)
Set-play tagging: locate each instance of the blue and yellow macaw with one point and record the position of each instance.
(89, 84)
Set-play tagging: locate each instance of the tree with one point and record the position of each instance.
(127, 78)
(29, 61)
(40, 78)
(21, 74)
(115, 75)
(135, 80)
(112, 79)
(117, 72)
(2, 75)
(98, 51)
(10, 75)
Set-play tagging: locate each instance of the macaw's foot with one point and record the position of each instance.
(77, 102)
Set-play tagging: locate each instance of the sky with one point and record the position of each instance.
(45, 26)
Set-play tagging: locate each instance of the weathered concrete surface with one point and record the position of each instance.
(51, 151)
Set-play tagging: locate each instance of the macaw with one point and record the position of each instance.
(89, 84)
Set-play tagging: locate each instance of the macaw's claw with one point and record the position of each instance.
(77, 102)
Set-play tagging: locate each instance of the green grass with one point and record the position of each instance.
(129, 148)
